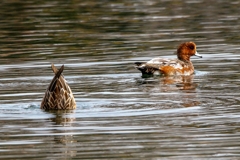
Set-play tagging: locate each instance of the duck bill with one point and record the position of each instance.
(198, 55)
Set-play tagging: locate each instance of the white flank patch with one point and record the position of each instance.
(156, 73)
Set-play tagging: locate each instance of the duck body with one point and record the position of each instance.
(58, 95)
(171, 67)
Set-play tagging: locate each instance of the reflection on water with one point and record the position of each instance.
(119, 115)
(61, 117)
(183, 89)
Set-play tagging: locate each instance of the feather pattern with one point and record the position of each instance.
(58, 95)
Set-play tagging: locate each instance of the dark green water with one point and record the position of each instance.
(119, 114)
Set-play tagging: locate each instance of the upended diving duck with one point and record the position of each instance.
(58, 95)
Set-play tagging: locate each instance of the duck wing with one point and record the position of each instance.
(154, 65)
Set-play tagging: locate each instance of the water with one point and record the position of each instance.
(119, 115)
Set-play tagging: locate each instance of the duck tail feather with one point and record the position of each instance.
(55, 78)
(139, 63)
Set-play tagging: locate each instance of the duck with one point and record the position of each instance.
(58, 95)
(171, 67)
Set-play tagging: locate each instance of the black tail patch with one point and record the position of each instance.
(138, 63)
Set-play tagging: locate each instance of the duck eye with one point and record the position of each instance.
(191, 47)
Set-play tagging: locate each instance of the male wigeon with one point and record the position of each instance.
(58, 95)
(170, 67)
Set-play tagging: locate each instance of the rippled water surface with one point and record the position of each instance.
(120, 114)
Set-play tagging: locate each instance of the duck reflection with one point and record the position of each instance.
(180, 89)
(62, 123)
(62, 117)
(180, 82)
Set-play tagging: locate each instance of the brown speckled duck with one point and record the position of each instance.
(58, 95)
